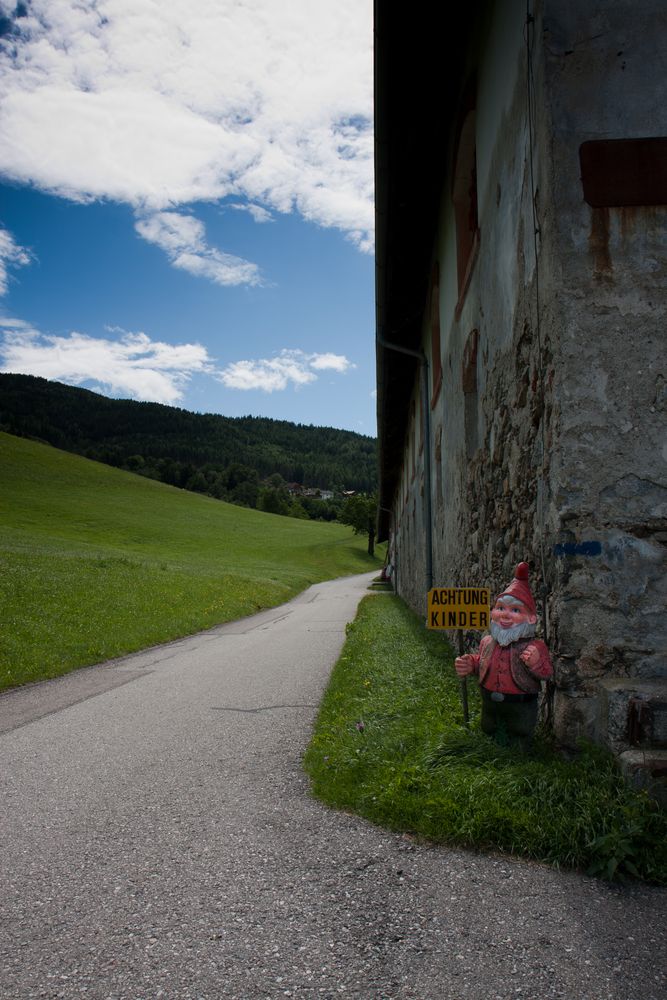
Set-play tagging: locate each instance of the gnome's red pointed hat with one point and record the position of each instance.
(519, 588)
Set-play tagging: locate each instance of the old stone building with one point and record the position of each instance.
(521, 185)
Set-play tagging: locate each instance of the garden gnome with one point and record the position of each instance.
(510, 664)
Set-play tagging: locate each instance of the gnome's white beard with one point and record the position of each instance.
(506, 636)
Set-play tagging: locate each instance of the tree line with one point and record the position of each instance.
(250, 461)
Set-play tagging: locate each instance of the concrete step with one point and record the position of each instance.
(633, 713)
(646, 769)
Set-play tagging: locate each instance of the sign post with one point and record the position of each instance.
(459, 608)
(463, 686)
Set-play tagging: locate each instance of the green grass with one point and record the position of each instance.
(95, 562)
(390, 744)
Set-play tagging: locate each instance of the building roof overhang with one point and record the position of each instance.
(419, 76)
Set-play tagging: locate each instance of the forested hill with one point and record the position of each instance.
(191, 450)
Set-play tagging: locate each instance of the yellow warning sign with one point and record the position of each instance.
(459, 607)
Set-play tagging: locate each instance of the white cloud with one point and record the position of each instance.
(266, 375)
(132, 365)
(334, 362)
(11, 255)
(182, 237)
(258, 213)
(275, 374)
(161, 105)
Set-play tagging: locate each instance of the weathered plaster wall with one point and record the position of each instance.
(568, 416)
(485, 498)
(606, 79)
(408, 539)
(498, 520)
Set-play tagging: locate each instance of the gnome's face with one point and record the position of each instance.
(511, 620)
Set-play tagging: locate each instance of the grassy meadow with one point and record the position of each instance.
(96, 563)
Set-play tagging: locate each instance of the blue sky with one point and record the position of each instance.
(186, 203)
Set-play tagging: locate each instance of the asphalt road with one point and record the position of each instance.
(159, 840)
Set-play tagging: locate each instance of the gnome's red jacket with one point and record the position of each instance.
(501, 669)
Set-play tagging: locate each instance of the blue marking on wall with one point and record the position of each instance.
(577, 549)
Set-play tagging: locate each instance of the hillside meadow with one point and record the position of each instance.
(96, 563)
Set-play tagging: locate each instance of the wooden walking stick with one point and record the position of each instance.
(463, 683)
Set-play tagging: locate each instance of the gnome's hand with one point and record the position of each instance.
(464, 665)
(530, 656)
